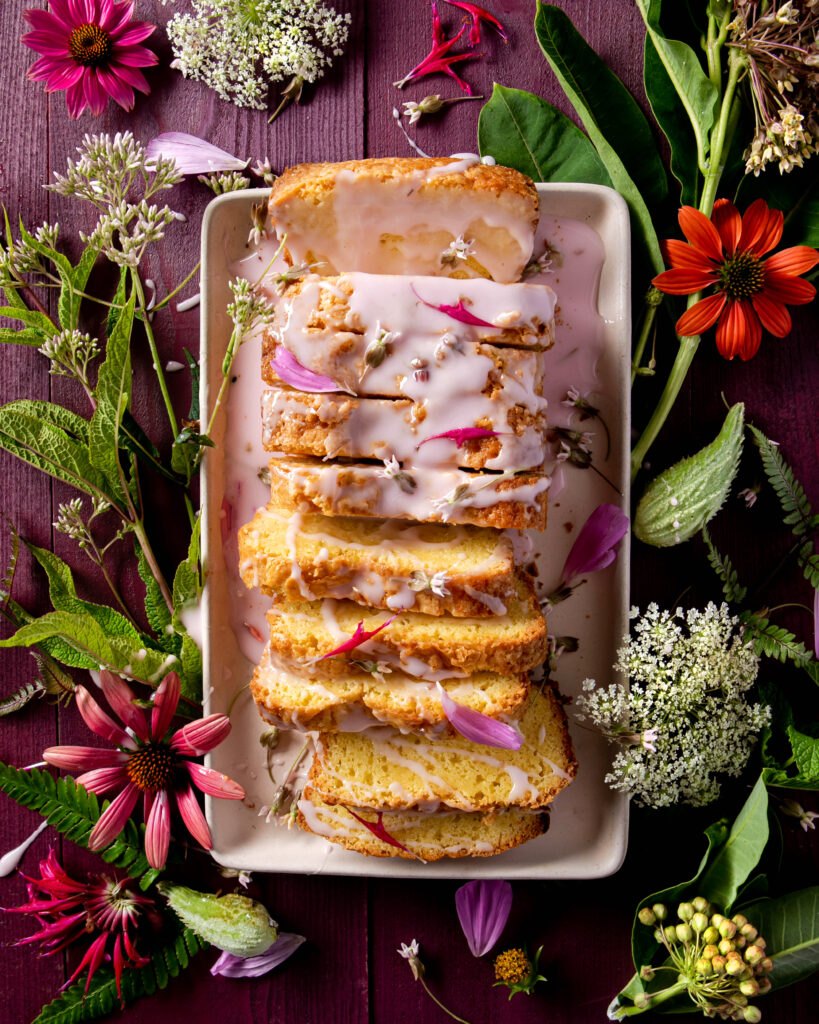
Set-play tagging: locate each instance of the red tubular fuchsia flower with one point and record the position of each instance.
(749, 293)
(459, 312)
(478, 728)
(290, 370)
(439, 60)
(73, 910)
(478, 14)
(596, 544)
(90, 48)
(461, 435)
(483, 909)
(361, 636)
(146, 761)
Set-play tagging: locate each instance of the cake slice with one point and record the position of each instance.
(435, 216)
(356, 701)
(385, 563)
(500, 500)
(426, 836)
(386, 770)
(303, 635)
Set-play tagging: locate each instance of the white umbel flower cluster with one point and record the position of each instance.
(683, 719)
(238, 47)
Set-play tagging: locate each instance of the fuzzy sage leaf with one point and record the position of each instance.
(685, 497)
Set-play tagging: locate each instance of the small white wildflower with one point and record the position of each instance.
(460, 495)
(420, 581)
(795, 810)
(392, 471)
(263, 170)
(458, 249)
(409, 951)
(227, 181)
(749, 496)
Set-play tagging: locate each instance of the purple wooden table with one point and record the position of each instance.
(349, 970)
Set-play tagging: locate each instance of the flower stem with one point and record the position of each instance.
(438, 1002)
(652, 304)
(149, 333)
(729, 116)
(150, 558)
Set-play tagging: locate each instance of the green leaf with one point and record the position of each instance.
(525, 132)
(780, 779)
(772, 640)
(72, 423)
(21, 697)
(23, 336)
(610, 115)
(7, 583)
(118, 302)
(732, 589)
(735, 861)
(30, 317)
(83, 269)
(791, 494)
(75, 1005)
(156, 611)
(685, 497)
(790, 926)
(73, 811)
(113, 394)
(805, 752)
(697, 94)
(795, 193)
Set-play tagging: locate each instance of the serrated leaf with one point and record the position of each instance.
(23, 336)
(679, 502)
(21, 697)
(735, 861)
(780, 779)
(732, 589)
(117, 302)
(790, 926)
(30, 317)
(805, 752)
(72, 423)
(156, 611)
(772, 640)
(7, 583)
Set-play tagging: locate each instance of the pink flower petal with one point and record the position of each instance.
(291, 371)
(166, 700)
(213, 783)
(483, 909)
(191, 154)
(478, 728)
(78, 759)
(596, 544)
(135, 33)
(132, 58)
(231, 966)
(95, 95)
(121, 698)
(459, 312)
(113, 818)
(193, 817)
(103, 780)
(118, 90)
(94, 956)
(478, 15)
(75, 98)
(378, 830)
(48, 21)
(158, 831)
(197, 738)
(462, 435)
(98, 722)
(361, 636)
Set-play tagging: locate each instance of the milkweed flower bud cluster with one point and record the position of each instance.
(720, 961)
(684, 718)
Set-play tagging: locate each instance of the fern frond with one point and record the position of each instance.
(19, 699)
(792, 497)
(73, 811)
(721, 564)
(75, 1005)
(809, 563)
(773, 640)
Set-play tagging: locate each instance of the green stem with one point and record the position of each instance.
(176, 290)
(729, 116)
(149, 333)
(649, 315)
(438, 1002)
(150, 558)
(654, 999)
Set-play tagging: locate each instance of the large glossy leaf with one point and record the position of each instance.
(524, 131)
(790, 926)
(736, 860)
(696, 92)
(670, 114)
(612, 119)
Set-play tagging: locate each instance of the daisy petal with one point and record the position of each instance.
(683, 256)
(739, 331)
(214, 783)
(118, 90)
(792, 291)
(166, 700)
(98, 722)
(761, 228)
(158, 831)
(700, 232)
(135, 33)
(75, 98)
(83, 759)
(197, 738)
(701, 316)
(121, 698)
(231, 966)
(728, 222)
(193, 817)
(483, 909)
(113, 818)
(683, 282)
(774, 316)
(103, 780)
(799, 259)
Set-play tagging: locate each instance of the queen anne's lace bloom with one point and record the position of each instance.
(684, 719)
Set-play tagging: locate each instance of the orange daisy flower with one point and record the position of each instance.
(749, 292)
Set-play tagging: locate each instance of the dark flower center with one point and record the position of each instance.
(90, 45)
(742, 276)
(151, 767)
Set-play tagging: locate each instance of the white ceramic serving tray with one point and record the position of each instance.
(589, 823)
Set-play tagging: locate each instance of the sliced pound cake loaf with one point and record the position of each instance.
(303, 635)
(386, 770)
(426, 836)
(385, 563)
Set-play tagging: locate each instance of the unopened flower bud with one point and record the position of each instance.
(717, 919)
(766, 965)
(739, 920)
(733, 966)
(684, 932)
(658, 934)
(749, 987)
(749, 931)
(711, 935)
(727, 929)
(740, 942)
(765, 985)
(685, 911)
(754, 954)
(718, 963)
(647, 972)
(700, 904)
(670, 933)
(726, 946)
(660, 911)
(699, 922)
(710, 951)
(752, 1015)
(269, 739)
(703, 966)
(759, 941)
(642, 1000)
(738, 999)
(647, 916)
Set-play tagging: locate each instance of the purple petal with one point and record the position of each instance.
(231, 966)
(462, 435)
(595, 546)
(192, 155)
(299, 377)
(459, 312)
(483, 909)
(477, 727)
(361, 636)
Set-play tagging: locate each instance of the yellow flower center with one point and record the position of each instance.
(151, 767)
(742, 275)
(90, 45)
(512, 967)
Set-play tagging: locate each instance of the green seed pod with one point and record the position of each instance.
(727, 929)
(699, 922)
(681, 500)
(660, 911)
(726, 946)
(701, 904)
(233, 923)
(711, 935)
(718, 963)
(647, 916)
(749, 987)
(752, 1015)
(684, 933)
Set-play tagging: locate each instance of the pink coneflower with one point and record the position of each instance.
(75, 910)
(91, 49)
(149, 762)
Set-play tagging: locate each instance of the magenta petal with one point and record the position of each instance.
(197, 738)
(98, 722)
(483, 909)
(103, 780)
(135, 33)
(478, 728)
(79, 759)
(193, 817)
(158, 831)
(191, 154)
(214, 783)
(119, 91)
(121, 698)
(459, 312)
(231, 966)
(595, 546)
(166, 700)
(361, 636)
(113, 818)
(461, 435)
(286, 366)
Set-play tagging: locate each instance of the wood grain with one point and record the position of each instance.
(349, 970)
